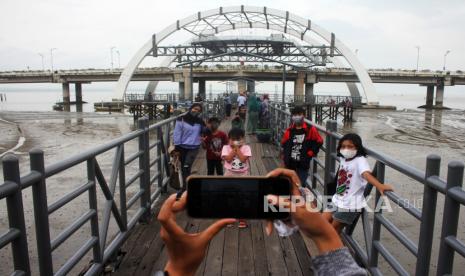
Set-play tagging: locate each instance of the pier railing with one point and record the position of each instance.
(152, 174)
(323, 172)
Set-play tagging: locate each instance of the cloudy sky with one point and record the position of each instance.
(385, 32)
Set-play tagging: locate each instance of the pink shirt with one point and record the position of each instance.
(236, 165)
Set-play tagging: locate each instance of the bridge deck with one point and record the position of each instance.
(233, 251)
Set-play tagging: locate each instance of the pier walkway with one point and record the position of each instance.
(117, 189)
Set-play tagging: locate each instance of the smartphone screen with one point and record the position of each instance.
(235, 197)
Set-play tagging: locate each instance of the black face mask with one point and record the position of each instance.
(195, 114)
(214, 126)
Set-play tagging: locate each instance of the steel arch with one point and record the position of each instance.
(239, 17)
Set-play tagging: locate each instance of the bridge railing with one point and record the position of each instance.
(323, 172)
(152, 173)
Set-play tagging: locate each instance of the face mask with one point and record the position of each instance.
(297, 119)
(214, 126)
(195, 113)
(348, 154)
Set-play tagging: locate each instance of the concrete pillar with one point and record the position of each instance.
(429, 96)
(309, 92)
(202, 89)
(299, 87)
(66, 99)
(250, 86)
(188, 89)
(78, 90)
(241, 85)
(181, 90)
(439, 96)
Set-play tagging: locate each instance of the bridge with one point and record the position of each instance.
(130, 189)
(307, 79)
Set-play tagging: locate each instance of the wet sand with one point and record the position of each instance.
(406, 135)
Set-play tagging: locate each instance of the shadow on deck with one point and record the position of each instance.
(233, 251)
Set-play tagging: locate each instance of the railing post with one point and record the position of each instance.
(428, 213)
(376, 234)
(97, 251)
(450, 218)
(39, 197)
(160, 157)
(144, 165)
(330, 145)
(14, 204)
(122, 190)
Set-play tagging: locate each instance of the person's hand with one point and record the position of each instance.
(310, 221)
(384, 188)
(185, 250)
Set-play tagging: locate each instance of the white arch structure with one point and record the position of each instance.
(223, 19)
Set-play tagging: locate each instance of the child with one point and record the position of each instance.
(236, 158)
(214, 142)
(236, 155)
(300, 143)
(354, 173)
(239, 119)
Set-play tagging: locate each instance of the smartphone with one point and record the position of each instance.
(235, 197)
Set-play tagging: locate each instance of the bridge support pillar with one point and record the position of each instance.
(309, 92)
(181, 90)
(429, 96)
(299, 87)
(439, 96)
(241, 85)
(66, 99)
(250, 86)
(202, 89)
(78, 88)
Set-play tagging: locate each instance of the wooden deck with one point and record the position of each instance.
(233, 251)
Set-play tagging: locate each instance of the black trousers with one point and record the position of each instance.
(187, 159)
(228, 110)
(213, 165)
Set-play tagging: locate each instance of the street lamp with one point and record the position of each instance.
(119, 59)
(356, 52)
(418, 55)
(42, 56)
(111, 55)
(51, 57)
(445, 55)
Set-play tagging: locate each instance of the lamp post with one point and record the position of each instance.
(445, 55)
(119, 59)
(418, 55)
(356, 52)
(51, 57)
(111, 55)
(42, 56)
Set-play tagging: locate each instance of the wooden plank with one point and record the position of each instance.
(290, 257)
(246, 260)
(231, 251)
(214, 258)
(303, 255)
(274, 253)
(259, 251)
(204, 223)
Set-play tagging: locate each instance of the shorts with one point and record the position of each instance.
(346, 216)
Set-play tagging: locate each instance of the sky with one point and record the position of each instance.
(385, 33)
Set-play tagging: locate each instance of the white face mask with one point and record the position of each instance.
(348, 153)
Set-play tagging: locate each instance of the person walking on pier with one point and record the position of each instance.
(300, 143)
(227, 105)
(241, 100)
(253, 108)
(213, 143)
(187, 138)
(239, 119)
(353, 175)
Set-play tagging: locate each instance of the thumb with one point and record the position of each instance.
(216, 227)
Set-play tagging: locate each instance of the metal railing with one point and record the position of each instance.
(432, 184)
(149, 138)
